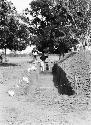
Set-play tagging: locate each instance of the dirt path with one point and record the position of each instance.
(42, 105)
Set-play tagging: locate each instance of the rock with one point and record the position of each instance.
(11, 93)
(32, 67)
(17, 85)
(26, 79)
(28, 69)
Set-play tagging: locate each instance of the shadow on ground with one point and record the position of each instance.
(60, 81)
(8, 64)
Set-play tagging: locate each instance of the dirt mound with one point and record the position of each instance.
(77, 69)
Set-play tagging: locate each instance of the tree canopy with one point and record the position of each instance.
(58, 25)
(13, 34)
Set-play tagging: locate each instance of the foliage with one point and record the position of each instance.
(81, 14)
(59, 26)
(13, 34)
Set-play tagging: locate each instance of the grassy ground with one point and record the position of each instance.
(38, 102)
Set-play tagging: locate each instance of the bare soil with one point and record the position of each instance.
(38, 102)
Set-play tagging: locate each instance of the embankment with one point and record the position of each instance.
(72, 74)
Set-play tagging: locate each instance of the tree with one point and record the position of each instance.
(13, 34)
(60, 24)
(81, 14)
(5, 11)
(49, 25)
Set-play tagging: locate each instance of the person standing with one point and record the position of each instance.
(42, 63)
(34, 53)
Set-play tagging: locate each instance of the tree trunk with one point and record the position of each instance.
(5, 55)
(5, 52)
(59, 56)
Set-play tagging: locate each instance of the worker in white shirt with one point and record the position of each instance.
(42, 62)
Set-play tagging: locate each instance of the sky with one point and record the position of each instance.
(20, 4)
